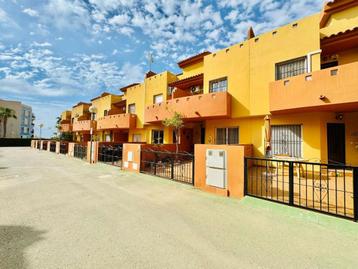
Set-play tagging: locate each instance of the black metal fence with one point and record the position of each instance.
(44, 145)
(15, 142)
(80, 151)
(53, 146)
(110, 153)
(167, 164)
(63, 147)
(331, 189)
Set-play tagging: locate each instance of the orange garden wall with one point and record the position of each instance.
(94, 151)
(235, 169)
(71, 149)
(131, 157)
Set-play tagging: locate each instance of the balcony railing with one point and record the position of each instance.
(332, 89)
(83, 125)
(118, 121)
(201, 106)
(66, 127)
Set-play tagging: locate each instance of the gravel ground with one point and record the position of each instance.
(58, 212)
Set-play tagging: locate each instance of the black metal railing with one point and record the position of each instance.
(80, 151)
(53, 146)
(44, 145)
(110, 153)
(175, 166)
(332, 189)
(63, 147)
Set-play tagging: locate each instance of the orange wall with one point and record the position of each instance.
(83, 125)
(191, 107)
(235, 169)
(118, 121)
(300, 94)
(134, 164)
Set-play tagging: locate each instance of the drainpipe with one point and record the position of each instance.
(309, 59)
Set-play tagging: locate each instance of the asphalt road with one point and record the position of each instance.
(58, 212)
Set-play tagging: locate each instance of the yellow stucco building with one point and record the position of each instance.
(291, 92)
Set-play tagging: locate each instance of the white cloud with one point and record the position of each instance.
(66, 14)
(44, 44)
(232, 16)
(131, 73)
(31, 12)
(3, 16)
(119, 20)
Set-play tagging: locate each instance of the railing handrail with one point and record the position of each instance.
(164, 151)
(303, 162)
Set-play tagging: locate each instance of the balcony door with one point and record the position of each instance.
(336, 142)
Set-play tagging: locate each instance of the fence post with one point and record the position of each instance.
(290, 184)
(172, 168)
(245, 176)
(193, 169)
(355, 193)
(155, 163)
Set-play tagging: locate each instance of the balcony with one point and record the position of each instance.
(117, 121)
(83, 125)
(332, 89)
(66, 127)
(195, 107)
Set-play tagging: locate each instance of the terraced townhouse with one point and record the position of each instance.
(300, 79)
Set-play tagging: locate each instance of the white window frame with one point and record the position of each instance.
(274, 138)
(226, 142)
(130, 106)
(160, 96)
(153, 139)
(219, 88)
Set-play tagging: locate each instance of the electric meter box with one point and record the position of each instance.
(216, 168)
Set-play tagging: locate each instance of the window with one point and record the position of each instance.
(94, 116)
(137, 138)
(286, 140)
(157, 99)
(219, 85)
(170, 90)
(105, 113)
(227, 136)
(157, 136)
(290, 68)
(108, 137)
(131, 108)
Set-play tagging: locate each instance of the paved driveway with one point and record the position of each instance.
(57, 212)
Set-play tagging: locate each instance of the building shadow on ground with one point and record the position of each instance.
(13, 243)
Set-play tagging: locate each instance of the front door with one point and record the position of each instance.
(336, 141)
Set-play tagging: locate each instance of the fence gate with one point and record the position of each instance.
(325, 188)
(44, 145)
(63, 147)
(53, 146)
(80, 151)
(167, 164)
(110, 153)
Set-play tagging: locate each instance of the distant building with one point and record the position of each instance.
(23, 126)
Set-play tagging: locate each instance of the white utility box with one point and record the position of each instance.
(216, 168)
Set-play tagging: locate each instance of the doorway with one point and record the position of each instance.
(336, 143)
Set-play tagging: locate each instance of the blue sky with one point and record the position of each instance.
(55, 53)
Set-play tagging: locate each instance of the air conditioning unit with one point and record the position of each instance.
(195, 89)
